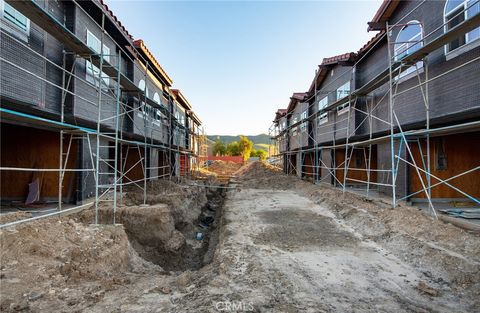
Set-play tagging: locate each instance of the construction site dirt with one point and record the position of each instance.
(267, 243)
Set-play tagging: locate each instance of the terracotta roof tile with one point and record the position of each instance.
(119, 24)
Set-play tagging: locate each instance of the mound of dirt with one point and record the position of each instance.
(60, 252)
(184, 200)
(265, 176)
(223, 168)
(14, 216)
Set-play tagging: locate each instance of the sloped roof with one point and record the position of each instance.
(116, 20)
(349, 56)
(383, 14)
(295, 98)
(181, 99)
(279, 114)
(367, 46)
(140, 45)
(327, 63)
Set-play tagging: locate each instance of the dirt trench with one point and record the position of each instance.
(68, 264)
(176, 245)
(172, 232)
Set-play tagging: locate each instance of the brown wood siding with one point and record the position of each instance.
(129, 159)
(357, 162)
(462, 153)
(33, 148)
(308, 165)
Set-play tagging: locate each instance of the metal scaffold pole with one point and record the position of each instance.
(390, 110)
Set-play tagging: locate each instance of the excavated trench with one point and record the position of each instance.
(176, 245)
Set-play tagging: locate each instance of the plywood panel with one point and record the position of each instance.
(357, 165)
(133, 170)
(33, 148)
(164, 168)
(462, 153)
(308, 165)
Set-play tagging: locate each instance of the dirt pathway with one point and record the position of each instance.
(283, 253)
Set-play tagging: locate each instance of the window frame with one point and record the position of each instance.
(303, 117)
(419, 65)
(93, 70)
(341, 109)
(421, 34)
(468, 43)
(294, 128)
(322, 117)
(12, 25)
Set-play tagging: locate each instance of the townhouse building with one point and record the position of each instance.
(85, 108)
(401, 115)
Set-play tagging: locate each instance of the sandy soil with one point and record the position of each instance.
(222, 168)
(278, 244)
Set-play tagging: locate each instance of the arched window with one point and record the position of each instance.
(409, 39)
(156, 98)
(142, 86)
(457, 11)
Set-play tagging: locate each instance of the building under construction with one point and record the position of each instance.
(85, 108)
(400, 117)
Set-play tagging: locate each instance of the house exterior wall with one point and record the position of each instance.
(85, 102)
(453, 97)
(335, 128)
(149, 121)
(35, 86)
(453, 94)
(299, 138)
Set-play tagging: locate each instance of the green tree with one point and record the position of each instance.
(246, 147)
(233, 149)
(219, 148)
(262, 154)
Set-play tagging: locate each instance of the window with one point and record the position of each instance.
(142, 86)
(156, 98)
(323, 117)
(342, 92)
(303, 116)
(294, 129)
(14, 22)
(457, 11)
(95, 44)
(409, 40)
(15, 17)
(93, 71)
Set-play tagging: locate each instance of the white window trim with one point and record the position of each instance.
(403, 76)
(461, 50)
(349, 90)
(414, 22)
(344, 110)
(13, 28)
(322, 120)
(468, 45)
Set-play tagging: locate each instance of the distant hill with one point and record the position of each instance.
(258, 139)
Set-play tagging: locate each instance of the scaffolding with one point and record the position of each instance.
(109, 149)
(301, 151)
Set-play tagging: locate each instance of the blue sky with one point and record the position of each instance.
(237, 62)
